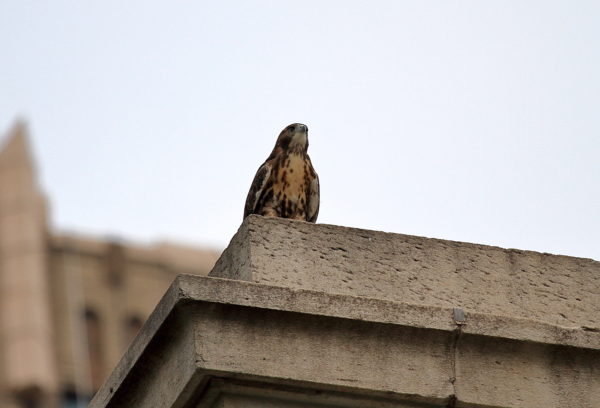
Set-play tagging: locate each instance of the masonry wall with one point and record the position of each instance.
(296, 315)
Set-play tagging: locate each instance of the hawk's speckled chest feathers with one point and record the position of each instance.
(290, 185)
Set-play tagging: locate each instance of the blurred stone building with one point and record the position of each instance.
(69, 305)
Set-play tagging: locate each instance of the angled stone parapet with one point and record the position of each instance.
(314, 318)
(554, 289)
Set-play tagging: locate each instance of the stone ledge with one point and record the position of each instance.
(205, 328)
(381, 311)
(554, 289)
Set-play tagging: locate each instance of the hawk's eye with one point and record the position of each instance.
(292, 128)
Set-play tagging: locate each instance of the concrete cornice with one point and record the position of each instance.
(241, 293)
(189, 290)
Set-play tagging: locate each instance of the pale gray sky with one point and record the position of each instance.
(468, 120)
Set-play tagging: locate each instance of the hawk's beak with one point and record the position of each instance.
(301, 128)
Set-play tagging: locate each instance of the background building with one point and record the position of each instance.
(69, 304)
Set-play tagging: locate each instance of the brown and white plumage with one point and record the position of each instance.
(286, 185)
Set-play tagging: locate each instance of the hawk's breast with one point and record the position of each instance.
(290, 185)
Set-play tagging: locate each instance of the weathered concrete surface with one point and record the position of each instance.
(304, 348)
(523, 374)
(318, 315)
(554, 289)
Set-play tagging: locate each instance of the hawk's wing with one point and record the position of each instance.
(313, 199)
(257, 188)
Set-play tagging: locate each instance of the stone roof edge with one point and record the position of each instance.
(219, 290)
(192, 288)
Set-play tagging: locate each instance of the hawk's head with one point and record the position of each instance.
(294, 138)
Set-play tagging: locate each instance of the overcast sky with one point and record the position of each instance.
(466, 120)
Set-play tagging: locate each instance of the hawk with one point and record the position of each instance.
(286, 185)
